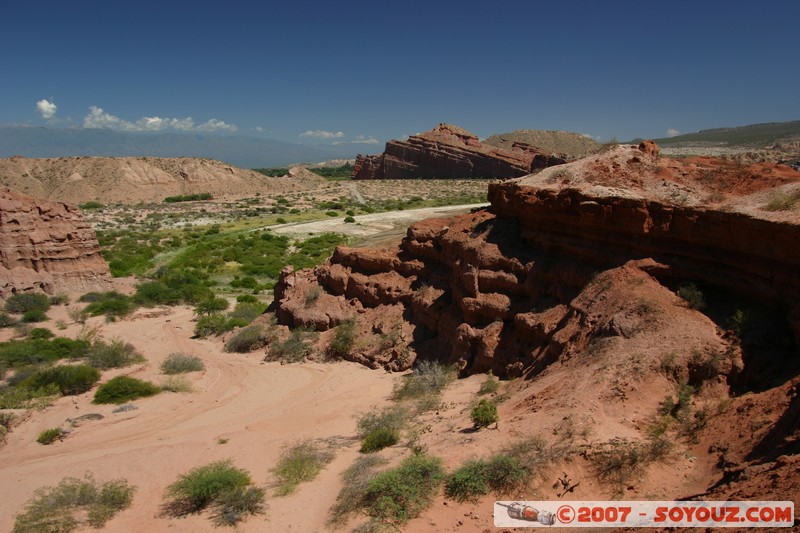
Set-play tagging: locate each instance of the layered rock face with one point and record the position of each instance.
(510, 289)
(47, 246)
(451, 152)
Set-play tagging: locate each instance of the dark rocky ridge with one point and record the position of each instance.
(450, 152)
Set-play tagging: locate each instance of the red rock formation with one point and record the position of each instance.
(47, 246)
(451, 152)
(509, 289)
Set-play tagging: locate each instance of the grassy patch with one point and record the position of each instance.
(248, 339)
(111, 304)
(355, 483)
(116, 354)
(489, 386)
(28, 301)
(428, 377)
(468, 483)
(299, 463)
(692, 295)
(49, 436)
(74, 503)
(296, 347)
(212, 484)
(123, 389)
(782, 201)
(343, 339)
(382, 429)
(400, 494)
(181, 363)
(69, 379)
(176, 384)
(234, 505)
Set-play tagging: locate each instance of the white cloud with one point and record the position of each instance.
(259, 129)
(360, 139)
(216, 125)
(98, 118)
(322, 134)
(46, 108)
(672, 132)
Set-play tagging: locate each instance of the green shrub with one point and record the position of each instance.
(40, 334)
(117, 354)
(59, 299)
(490, 385)
(34, 315)
(382, 429)
(181, 363)
(248, 339)
(6, 321)
(49, 436)
(211, 305)
(468, 482)
(426, 378)
(70, 379)
(484, 414)
(400, 494)
(198, 488)
(246, 312)
(232, 506)
(692, 295)
(111, 304)
(618, 461)
(35, 351)
(378, 439)
(122, 389)
(299, 463)
(213, 324)
(91, 204)
(188, 197)
(343, 339)
(280, 220)
(26, 398)
(247, 299)
(74, 503)
(505, 472)
(355, 483)
(294, 348)
(349, 220)
(332, 213)
(29, 301)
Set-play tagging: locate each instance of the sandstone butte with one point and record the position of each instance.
(47, 246)
(450, 152)
(571, 277)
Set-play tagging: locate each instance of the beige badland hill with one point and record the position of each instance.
(137, 179)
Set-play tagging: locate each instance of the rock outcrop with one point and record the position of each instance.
(510, 289)
(47, 246)
(450, 152)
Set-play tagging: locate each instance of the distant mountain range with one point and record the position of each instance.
(246, 152)
(751, 136)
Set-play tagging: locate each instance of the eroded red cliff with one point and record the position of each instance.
(451, 152)
(47, 246)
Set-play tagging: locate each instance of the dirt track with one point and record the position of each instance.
(375, 228)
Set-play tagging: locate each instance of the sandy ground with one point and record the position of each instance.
(375, 228)
(258, 407)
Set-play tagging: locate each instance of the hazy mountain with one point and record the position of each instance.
(246, 152)
(753, 136)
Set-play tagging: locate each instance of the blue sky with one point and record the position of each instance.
(366, 72)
